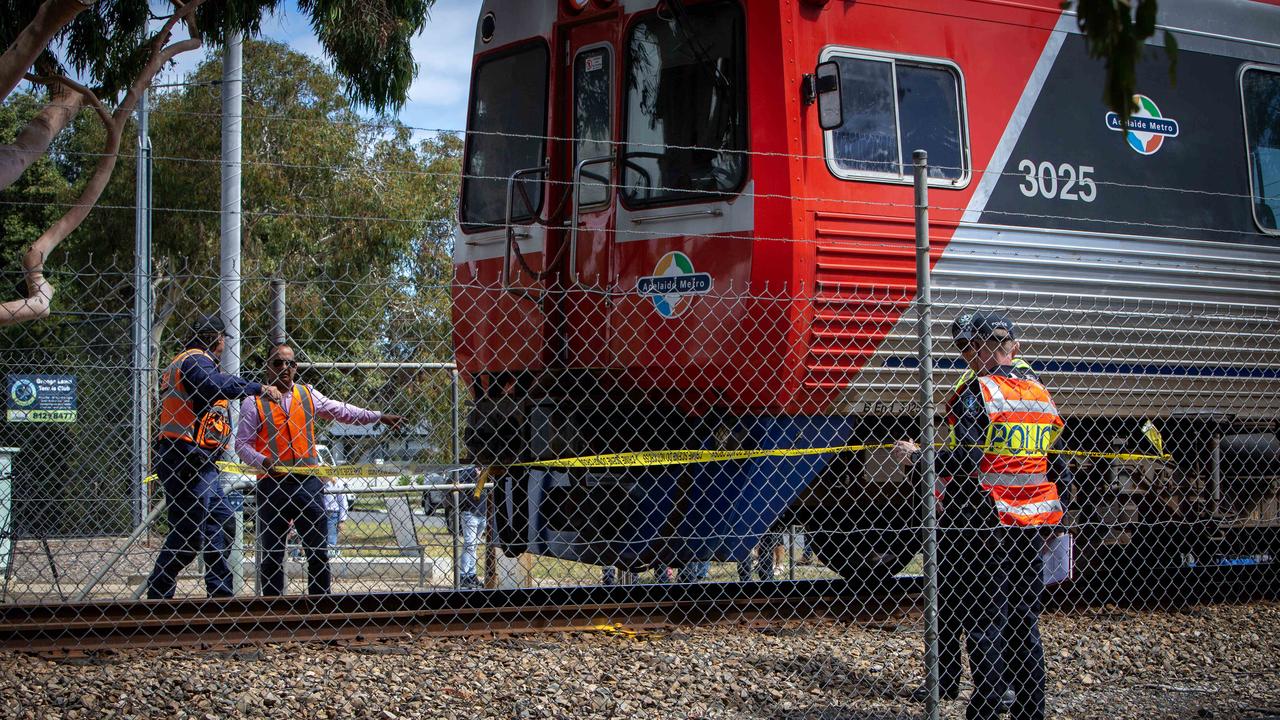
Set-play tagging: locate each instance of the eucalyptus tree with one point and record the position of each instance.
(103, 54)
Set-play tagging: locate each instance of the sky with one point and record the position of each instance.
(438, 97)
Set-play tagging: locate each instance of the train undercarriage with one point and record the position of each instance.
(1216, 501)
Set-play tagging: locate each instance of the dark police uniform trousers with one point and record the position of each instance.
(990, 578)
(952, 557)
(298, 499)
(200, 519)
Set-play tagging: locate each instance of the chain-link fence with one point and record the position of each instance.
(451, 442)
(1169, 449)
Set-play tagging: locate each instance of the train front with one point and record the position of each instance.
(610, 292)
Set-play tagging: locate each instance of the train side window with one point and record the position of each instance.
(507, 128)
(893, 106)
(1260, 89)
(685, 105)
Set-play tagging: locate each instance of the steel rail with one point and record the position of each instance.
(82, 628)
(85, 628)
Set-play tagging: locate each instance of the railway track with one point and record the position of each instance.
(83, 628)
(80, 628)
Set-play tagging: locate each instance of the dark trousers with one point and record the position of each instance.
(990, 586)
(951, 591)
(1024, 651)
(300, 500)
(200, 520)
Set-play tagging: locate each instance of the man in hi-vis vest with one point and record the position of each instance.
(195, 427)
(279, 436)
(999, 497)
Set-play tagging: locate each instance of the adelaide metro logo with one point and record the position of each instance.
(1147, 128)
(672, 284)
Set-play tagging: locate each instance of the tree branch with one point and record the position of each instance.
(33, 140)
(40, 292)
(161, 55)
(52, 16)
(85, 93)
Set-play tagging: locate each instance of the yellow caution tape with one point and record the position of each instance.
(654, 458)
(647, 458)
(643, 458)
(620, 630)
(341, 471)
(1153, 436)
(481, 479)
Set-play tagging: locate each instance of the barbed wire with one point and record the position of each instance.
(624, 144)
(706, 196)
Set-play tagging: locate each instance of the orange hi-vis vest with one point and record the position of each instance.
(1015, 456)
(178, 421)
(288, 438)
(940, 481)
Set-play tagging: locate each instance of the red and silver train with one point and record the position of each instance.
(688, 224)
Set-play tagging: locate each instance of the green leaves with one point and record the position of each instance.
(1116, 31)
(368, 40)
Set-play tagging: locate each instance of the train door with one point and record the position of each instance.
(588, 124)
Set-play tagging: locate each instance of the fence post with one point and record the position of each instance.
(143, 311)
(455, 416)
(455, 527)
(927, 474)
(6, 511)
(278, 334)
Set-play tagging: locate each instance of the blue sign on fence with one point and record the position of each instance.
(41, 398)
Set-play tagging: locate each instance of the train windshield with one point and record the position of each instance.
(685, 111)
(1262, 126)
(506, 130)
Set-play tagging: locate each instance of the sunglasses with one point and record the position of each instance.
(278, 363)
(967, 345)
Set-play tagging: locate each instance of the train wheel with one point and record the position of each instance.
(867, 534)
(866, 531)
(866, 557)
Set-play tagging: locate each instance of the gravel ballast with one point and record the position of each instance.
(1210, 662)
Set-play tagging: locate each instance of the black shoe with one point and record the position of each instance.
(1007, 700)
(921, 694)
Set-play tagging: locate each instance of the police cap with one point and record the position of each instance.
(981, 326)
(207, 325)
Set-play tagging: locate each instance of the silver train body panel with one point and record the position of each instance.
(1141, 323)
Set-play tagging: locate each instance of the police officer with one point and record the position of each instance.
(194, 429)
(949, 629)
(1000, 495)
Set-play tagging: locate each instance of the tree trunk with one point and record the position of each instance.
(163, 313)
(33, 140)
(39, 291)
(52, 16)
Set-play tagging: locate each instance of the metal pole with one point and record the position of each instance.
(455, 418)
(278, 334)
(142, 316)
(232, 67)
(927, 474)
(455, 525)
(229, 266)
(791, 553)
